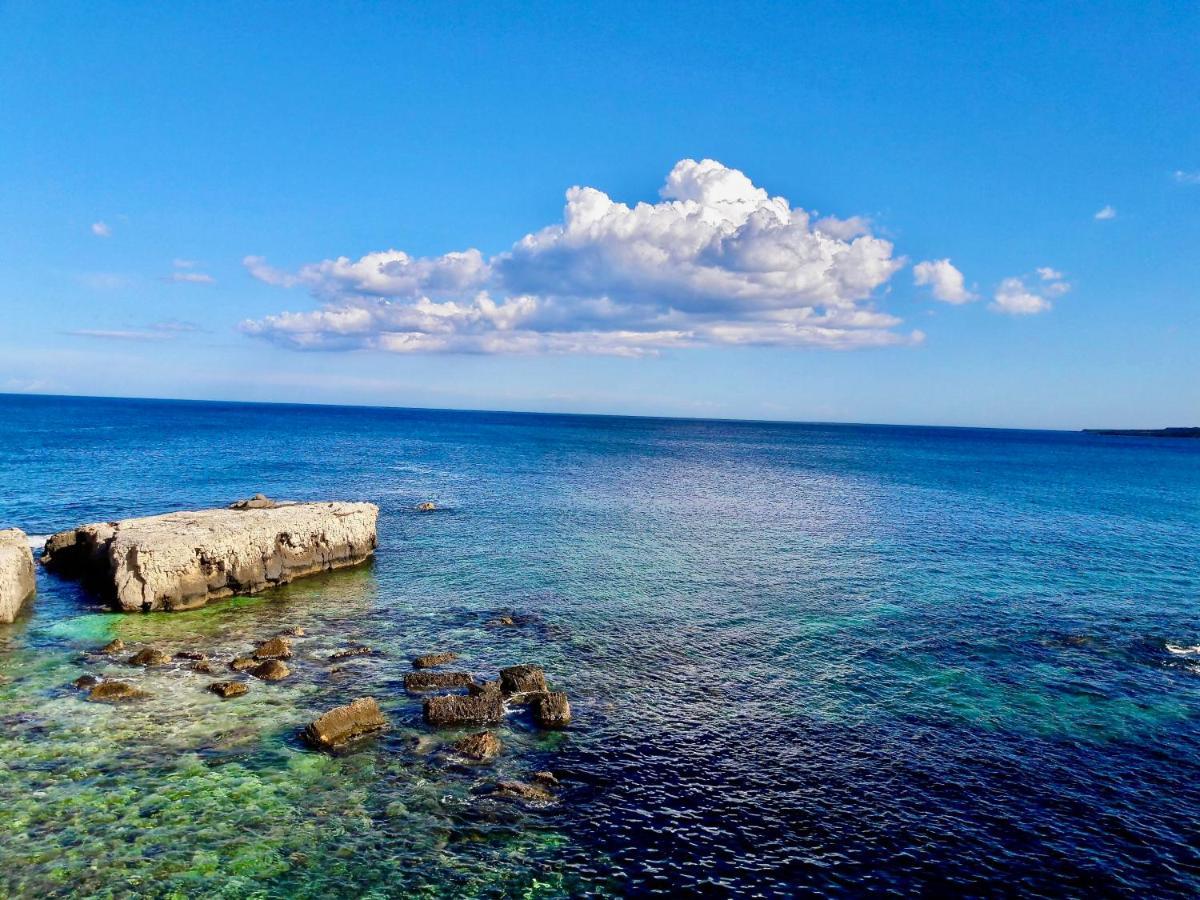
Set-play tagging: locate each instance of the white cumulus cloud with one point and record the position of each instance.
(715, 261)
(1105, 213)
(1015, 298)
(944, 280)
(101, 229)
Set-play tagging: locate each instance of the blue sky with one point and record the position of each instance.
(155, 159)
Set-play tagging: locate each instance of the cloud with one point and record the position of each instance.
(944, 280)
(1187, 177)
(190, 278)
(158, 331)
(1106, 213)
(1013, 297)
(104, 281)
(101, 229)
(715, 261)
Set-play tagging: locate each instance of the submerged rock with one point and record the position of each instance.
(429, 660)
(150, 656)
(546, 779)
(86, 682)
(227, 689)
(204, 667)
(349, 652)
(115, 692)
(426, 506)
(116, 645)
(433, 681)
(482, 746)
(551, 709)
(271, 670)
(190, 654)
(455, 709)
(17, 579)
(343, 724)
(275, 648)
(182, 560)
(521, 791)
(524, 679)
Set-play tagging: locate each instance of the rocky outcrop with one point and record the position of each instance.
(435, 681)
(429, 660)
(455, 709)
(551, 710)
(183, 560)
(481, 747)
(522, 680)
(271, 670)
(343, 724)
(17, 582)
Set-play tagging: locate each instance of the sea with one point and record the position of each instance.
(804, 660)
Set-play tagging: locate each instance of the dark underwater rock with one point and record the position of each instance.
(482, 746)
(519, 790)
(343, 724)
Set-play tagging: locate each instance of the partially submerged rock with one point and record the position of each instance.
(271, 670)
(484, 688)
(204, 667)
(227, 689)
(86, 682)
(242, 663)
(519, 790)
(482, 746)
(349, 652)
(275, 648)
(149, 656)
(522, 679)
(429, 660)
(116, 645)
(343, 724)
(17, 580)
(433, 681)
(115, 692)
(546, 779)
(551, 709)
(194, 655)
(456, 709)
(426, 506)
(185, 559)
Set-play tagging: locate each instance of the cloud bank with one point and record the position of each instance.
(716, 261)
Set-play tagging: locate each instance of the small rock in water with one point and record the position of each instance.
(115, 692)
(116, 645)
(344, 724)
(455, 709)
(506, 621)
(190, 654)
(522, 791)
(547, 779)
(295, 632)
(150, 656)
(482, 746)
(275, 648)
(227, 689)
(242, 663)
(203, 666)
(349, 652)
(524, 679)
(271, 670)
(429, 660)
(484, 689)
(426, 506)
(433, 681)
(86, 682)
(551, 709)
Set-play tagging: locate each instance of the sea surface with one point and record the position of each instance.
(804, 660)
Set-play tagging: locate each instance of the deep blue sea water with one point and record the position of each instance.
(803, 659)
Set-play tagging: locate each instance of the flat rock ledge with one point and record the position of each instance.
(17, 582)
(183, 560)
(344, 724)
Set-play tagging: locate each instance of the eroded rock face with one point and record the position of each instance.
(183, 560)
(429, 660)
(433, 681)
(17, 583)
(455, 709)
(551, 709)
(343, 724)
(482, 746)
(522, 680)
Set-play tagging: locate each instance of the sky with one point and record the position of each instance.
(925, 213)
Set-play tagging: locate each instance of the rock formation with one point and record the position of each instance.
(16, 573)
(522, 680)
(429, 660)
(482, 746)
(343, 724)
(551, 710)
(182, 560)
(455, 709)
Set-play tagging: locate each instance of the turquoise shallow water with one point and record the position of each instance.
(803, 660)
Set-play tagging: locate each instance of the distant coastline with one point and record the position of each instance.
(1146, 432)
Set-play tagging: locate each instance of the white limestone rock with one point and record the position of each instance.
(17, 583)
